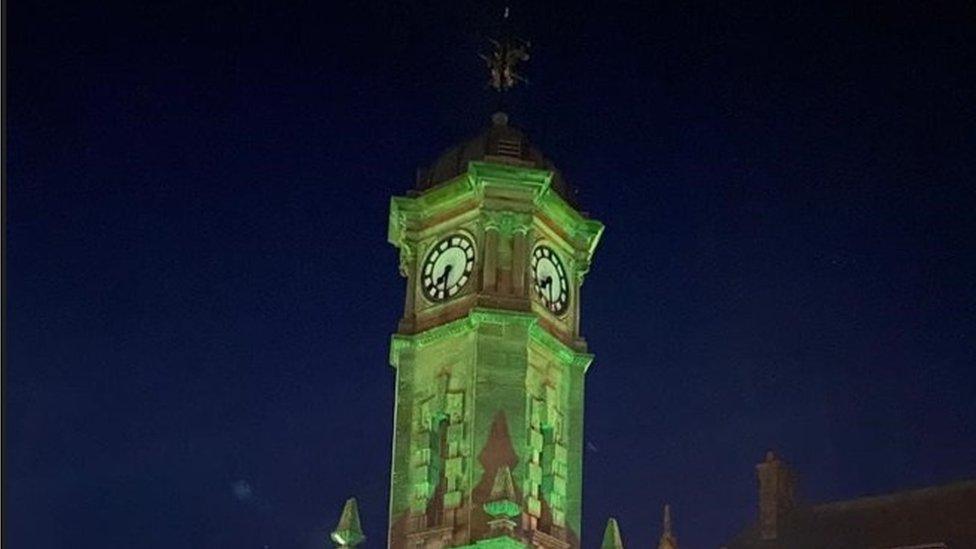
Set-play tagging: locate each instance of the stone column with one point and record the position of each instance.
(518, 261)
(580, 268)
(407, 265)
(490, 254)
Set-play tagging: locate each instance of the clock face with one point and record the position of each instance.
(448, 267)
(549, 280)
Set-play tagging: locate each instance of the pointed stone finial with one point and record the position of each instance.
(501, 505)
(348, 532)
(611, 536)
(502, 501)
(668, 541)
(503, 487)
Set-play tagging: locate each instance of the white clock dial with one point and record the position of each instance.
(448, 267)
(549, 280)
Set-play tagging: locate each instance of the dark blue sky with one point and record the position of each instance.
(200, 294)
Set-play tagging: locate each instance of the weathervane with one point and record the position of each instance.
(501, 62)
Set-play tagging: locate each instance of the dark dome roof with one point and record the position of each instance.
(499, 143)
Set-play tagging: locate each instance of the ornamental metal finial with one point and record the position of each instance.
(506, 54)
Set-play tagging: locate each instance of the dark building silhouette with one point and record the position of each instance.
(938, 517)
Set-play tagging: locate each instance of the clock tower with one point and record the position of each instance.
(489, 359)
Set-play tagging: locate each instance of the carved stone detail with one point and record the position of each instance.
(508, 223)
(439, 456)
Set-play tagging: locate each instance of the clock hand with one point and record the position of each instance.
(546, 284)
(444, 275)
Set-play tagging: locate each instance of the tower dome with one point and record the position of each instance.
(499, 143)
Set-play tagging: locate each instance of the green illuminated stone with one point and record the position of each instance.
(503, 542)
(502, 503)
(611, 536)
(488, 423)
(348, 532)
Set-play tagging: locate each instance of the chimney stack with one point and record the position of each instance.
(777, 486)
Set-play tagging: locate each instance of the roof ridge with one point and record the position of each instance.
(879, 499)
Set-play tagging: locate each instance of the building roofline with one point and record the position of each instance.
(895, 497)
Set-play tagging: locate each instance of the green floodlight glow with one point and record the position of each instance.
(488, 423)
(348, 532)
(611, 536)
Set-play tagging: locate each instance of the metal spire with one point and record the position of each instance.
(668, 541)
(507, 52)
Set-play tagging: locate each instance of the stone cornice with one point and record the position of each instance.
(469, 324)
(563, 352)
(415, 213)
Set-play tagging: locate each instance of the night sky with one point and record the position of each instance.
(200, 294)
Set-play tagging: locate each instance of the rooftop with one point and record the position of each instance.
(500, 143)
